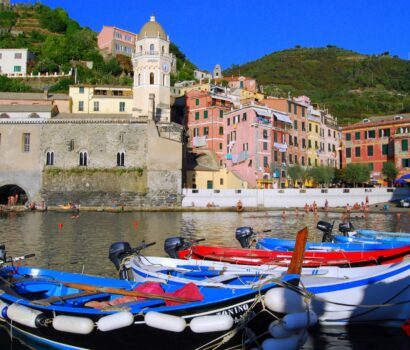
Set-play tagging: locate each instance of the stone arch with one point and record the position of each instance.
(9, 189)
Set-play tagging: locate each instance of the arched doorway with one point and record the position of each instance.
(17, 192)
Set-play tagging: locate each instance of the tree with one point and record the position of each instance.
(390, 171)
(322, 175)
(356, 173)
(295, 172)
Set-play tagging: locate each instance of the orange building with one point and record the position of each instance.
(377, 140)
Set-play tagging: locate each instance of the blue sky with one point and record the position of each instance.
(237, 31)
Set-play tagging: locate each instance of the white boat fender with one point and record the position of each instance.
(215, 323)
(284, 300)
(300, 320)
(118, 320)
(73, 324)
(290, 343)
(25, 315)
(165, 322)
(277, 330)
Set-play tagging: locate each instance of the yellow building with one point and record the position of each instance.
(313, 138)
(203, 172)
(101, 99)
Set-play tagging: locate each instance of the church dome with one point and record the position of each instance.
(152, 29)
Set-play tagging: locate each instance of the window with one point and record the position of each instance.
(244, 117)
(289, 107)
(265, 161)
(245, 147)
(18, 56)
(81, 106)
(295, 124)
(309, 161)
(275, 156)
(333, 148)
(50, 158)
(371, 167)
(205, 114)
(17, 69)
(328, 147)
(228, 121)
(303, 111)
(348, 152)
(357, 135)
(405, 163)
(206, 131)
(275, 137)
(295, 109)
(296, 159)
(265, 146)
(316, 145)
(316, 129)
(385, 149)
(348, 137)
(370, 151)
(303, 126)
(290, 140)
(220, 145)
(120, 158)
(303, 160)
(122, 106)
(309, 143)
(197, 102)
(209, 185)
(221, 182)
(310, 127)
(221, 130)
(151, 78)
(241, 84)
(221, 113)
(96, 106)
(118, 35)
(196, 115)
(295, 140)
(265, 133)
(303, 143)
(290, 159)
(196, 131)
(357, 151)
(83, 158)
(315, 162)
(404, 145)
(370, 134)
(151, 47)
(26, 142)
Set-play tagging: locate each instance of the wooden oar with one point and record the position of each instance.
(130, 293)
(295, 266)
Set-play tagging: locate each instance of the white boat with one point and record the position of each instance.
(339, 296)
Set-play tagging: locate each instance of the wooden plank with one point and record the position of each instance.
(50, 300)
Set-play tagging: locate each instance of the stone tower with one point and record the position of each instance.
(152, 66)
(217, 72)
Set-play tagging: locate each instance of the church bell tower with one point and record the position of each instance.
(152, 64)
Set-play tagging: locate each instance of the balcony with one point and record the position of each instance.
(152, 53)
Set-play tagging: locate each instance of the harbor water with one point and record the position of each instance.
(79, 243)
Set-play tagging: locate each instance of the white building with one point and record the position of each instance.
(13, 62)
(202, 74)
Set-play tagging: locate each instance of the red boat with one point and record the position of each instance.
(311, 258)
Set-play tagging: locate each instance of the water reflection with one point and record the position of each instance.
(80, 244)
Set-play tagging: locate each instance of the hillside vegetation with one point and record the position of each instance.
(60, 43)
(349, 84)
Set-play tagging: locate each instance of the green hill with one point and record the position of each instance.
(349, 84)
(60, 43)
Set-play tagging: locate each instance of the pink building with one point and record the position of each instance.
(114, 41)
(254, 137)
(205, 119)
(62, 101)
(240, 83)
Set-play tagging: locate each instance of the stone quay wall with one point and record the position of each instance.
(288, 198)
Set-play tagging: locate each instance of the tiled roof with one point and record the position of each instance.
(32, 96)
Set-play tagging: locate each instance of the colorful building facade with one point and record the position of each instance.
(377, 140)
(114, 41)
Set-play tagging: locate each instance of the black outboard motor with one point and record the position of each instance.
(118, 251)
(173, 244)
(326, 228)
(244, 236)
(346, 227)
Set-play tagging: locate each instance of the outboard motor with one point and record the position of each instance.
(173, 244)
(346, 227)
(244, 236)
(326, 228)
(118, 251)
(2, 253)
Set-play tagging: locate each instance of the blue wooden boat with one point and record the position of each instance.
(278, 244)
(66, 310)
(369, 240)
(382, 235)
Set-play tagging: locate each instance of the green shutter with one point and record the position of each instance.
(348, 136)
(404, 145)
(295, 124)
(196, 115)
(385, 149)
(205, 114)
(197, 102)
(348, 152)
(370, 151)
(357, 151)
(289, 107)
(221, 113)
(357, 135)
